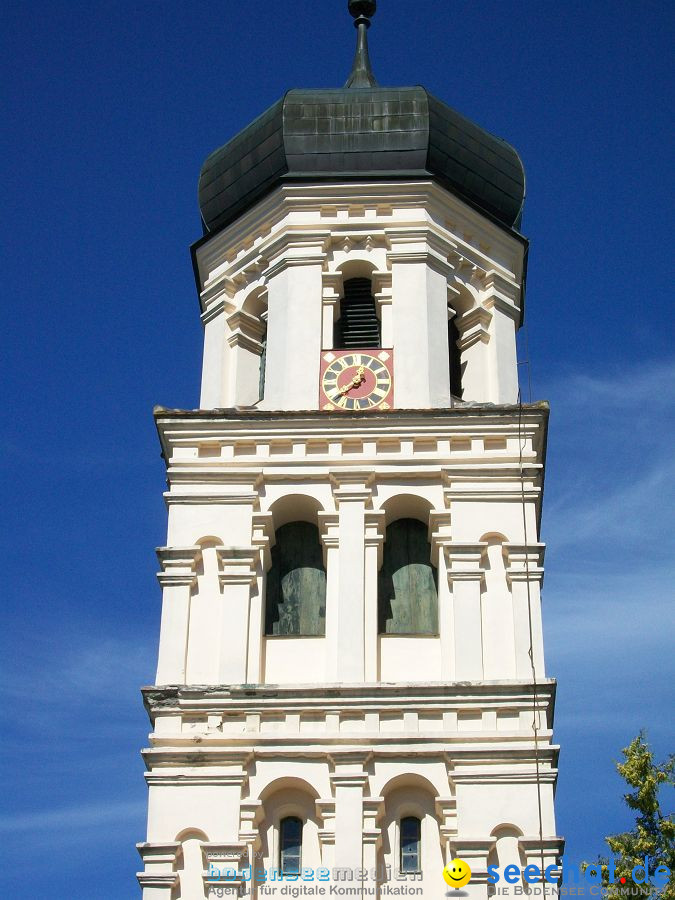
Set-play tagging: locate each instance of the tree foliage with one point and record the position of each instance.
(654, 833)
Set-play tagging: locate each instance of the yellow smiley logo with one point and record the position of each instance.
(457, 873)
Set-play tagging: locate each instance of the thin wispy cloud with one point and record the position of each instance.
(76, 818)
(611, 474)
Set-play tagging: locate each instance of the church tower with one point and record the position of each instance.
(351, 685)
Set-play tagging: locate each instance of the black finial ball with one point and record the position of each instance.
(366, 8)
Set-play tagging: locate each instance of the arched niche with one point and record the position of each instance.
(190, 864)
(354, 268)
(283, 799)
(507, 851)
(410, 797)
(408, 579)
(295, 508)
(494, 558)
(295, 594)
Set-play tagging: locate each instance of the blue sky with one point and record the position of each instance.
(110, 111)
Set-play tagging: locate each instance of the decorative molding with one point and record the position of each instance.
(167, 880)
(473, 327)
(263, 538)
(201, 779)
(237, 565)
(352, 485)
(239, 499)
(348, 779)
(179, 565)
(156, 853)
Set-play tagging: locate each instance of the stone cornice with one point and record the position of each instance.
(240, 499)
(158, 777)
(375, 695)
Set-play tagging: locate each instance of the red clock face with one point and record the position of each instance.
(356, 380)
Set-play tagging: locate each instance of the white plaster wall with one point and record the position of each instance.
(291, 660)
(404, 658)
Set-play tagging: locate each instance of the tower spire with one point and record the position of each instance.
(361, 75)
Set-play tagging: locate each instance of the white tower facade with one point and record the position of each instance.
(351, 687)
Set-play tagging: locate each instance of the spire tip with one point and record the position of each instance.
(361, 75)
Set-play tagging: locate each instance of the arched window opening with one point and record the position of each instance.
(358, 326)
(408, 582)
(411, 841)
(455, 359)
(295, 602)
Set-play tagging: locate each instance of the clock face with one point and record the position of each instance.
(356, 380)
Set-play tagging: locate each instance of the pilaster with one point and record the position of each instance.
(382, 293)
(420, 271)
(500, 299)
(294, 324)
(550, 850)
(474, 335)
(216, 304)
(525, 574)
(474, 851)
(446, 813)
(348, 781)
(245, 340)
(177, 579)
(236, 575)
(159, 877)
(440, 538)
(465, 577)
(373, 811)
(330, 298)
(262, 542)
(224, 865)
(329, 529)
(325, 810)
(352, 494)
(374, 544)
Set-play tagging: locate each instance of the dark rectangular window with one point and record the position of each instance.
(290, 845)
(410, 844)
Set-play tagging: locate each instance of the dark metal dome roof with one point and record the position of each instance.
(366, 132)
